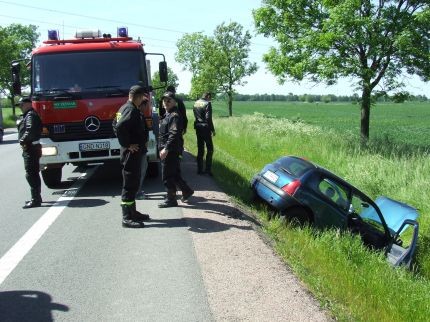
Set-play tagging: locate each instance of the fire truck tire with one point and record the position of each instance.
(52, 177)
(152, 171)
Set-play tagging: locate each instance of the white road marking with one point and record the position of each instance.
(12, 258)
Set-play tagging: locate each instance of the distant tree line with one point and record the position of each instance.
(311, 98)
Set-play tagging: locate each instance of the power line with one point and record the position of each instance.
(77, 27)
(97, 18)
(42, 22)
(91, 17)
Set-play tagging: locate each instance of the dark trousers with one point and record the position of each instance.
(171, 174)
(204, 137)
(131, 163)
(31, 156)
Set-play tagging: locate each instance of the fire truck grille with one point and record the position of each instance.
(77, 131)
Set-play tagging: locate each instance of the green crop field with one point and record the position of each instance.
(406, 124)
(355, 283)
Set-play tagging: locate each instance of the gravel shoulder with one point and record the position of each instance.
(244, 279)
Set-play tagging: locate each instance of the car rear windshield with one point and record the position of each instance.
(295, 166)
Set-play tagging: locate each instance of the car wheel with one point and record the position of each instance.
(297, 216)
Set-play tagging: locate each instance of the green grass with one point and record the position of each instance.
(8, 119)
(355, 283)
(405, 125)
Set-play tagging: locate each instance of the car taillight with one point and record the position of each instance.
(292, 187)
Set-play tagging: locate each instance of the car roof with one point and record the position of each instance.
(315, 166)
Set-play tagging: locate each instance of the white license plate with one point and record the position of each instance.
(94, 146)
(272, 177)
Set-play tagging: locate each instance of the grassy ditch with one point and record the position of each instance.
(352, 281)
(8, 119)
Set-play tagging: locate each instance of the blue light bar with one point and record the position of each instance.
(122, 32)
(53, 34)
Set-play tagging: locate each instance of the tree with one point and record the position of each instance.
(370, 41)
(218, 63)
(16, 42)
(173, 81)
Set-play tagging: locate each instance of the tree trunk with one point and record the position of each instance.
(12, 102)
(365, 114)
(230, 103)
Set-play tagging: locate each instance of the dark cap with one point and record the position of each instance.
(171, 88)
(137, 89)
(169, 95)
(24, 99)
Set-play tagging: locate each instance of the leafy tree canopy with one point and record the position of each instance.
(16, 42)
(218, 63)
(173, 81)
(371, 41)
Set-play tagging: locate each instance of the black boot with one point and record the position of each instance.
(170, 200)
(138, 216)
(36, 199)
(32, 203)
(127, 218)
(187, 194)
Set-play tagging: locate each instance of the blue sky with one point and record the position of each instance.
(160, 23)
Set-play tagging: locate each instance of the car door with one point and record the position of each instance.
(365, 219)
(330, 202)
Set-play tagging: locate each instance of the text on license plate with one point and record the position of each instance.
(94, 146)
(269, 175)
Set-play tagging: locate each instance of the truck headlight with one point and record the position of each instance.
(49, 151)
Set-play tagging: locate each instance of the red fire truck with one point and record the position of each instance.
(77, 86)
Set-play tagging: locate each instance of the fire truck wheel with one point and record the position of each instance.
(52, 177)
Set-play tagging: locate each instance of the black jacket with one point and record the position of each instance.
(29, 127)
(203, 115)
(128, 126)
(181, 109)
(171, 129)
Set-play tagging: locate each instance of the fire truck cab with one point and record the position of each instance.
(77, 86)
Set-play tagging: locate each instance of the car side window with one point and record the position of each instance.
(335, 192)
(366, 212)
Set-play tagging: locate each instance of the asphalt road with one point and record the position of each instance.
(85, 266)
(71, 260)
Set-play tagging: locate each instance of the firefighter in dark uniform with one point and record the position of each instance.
(204, 131)
(128, 128)
(179, 104)
(171, 146)
(29, 131)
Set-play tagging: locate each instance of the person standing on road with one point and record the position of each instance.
(171, 146)
(29, 131)
(144, 165)
(204, 131)
(128, 128)
(179, 104)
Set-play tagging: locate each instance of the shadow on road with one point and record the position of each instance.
(198, 225)
(22, 306)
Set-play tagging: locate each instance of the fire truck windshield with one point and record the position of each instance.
(89, 73)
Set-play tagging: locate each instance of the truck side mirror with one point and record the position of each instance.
(162, 70)
(16, 78)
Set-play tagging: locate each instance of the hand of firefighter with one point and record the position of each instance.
(213, 133)
(133, 148)
(163, 154)
(23, 145)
